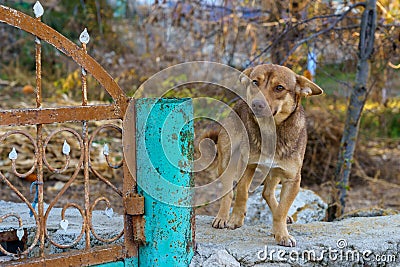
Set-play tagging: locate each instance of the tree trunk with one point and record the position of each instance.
(355, 107)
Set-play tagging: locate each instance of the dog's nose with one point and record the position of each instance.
(258, 104)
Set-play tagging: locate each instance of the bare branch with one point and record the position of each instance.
(340, 17)
(331, 27)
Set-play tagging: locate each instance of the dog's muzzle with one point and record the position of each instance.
(260, 108)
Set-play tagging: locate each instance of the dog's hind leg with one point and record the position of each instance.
(269, 195)
(290, 188)
(239, 209)
(227, 176)
(221, 220)
(269, 192)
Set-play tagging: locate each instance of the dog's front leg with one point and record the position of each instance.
(290, 188)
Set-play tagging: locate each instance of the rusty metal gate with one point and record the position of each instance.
(132, 233)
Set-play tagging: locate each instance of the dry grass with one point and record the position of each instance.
(375, 176)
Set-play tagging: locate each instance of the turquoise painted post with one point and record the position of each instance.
(164, 143)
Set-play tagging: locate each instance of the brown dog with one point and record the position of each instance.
(280, 89)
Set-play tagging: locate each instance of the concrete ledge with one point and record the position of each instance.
(351, 242)
(373, 241)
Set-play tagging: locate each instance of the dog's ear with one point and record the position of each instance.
(244, 77)
(307, 87)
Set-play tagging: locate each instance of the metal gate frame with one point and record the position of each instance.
(133, 203)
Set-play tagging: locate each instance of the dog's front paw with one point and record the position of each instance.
(285, 240)
(220, 222)
(235, 221)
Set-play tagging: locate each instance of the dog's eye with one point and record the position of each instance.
(279, 88)
(255, 82)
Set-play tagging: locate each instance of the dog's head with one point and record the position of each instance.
(276, 90)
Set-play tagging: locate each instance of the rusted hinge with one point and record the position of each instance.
(134, 206)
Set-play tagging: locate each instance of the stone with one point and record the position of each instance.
(221, 258)
(372, 241)
(307, 207)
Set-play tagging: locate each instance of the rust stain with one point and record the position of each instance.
(32, 116)
(134, 204)
(75, 258)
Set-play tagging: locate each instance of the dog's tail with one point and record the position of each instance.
(206, 151)
(208, 134)
(211, 134)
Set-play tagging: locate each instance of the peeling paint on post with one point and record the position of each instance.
(164, 138)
